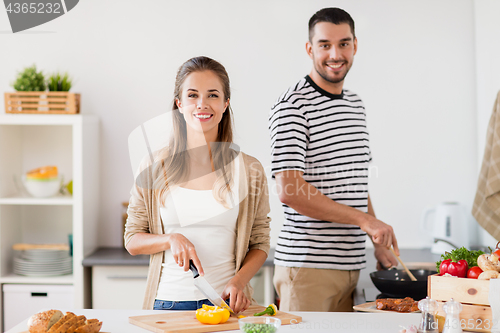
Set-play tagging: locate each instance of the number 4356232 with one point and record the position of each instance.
(34, 8)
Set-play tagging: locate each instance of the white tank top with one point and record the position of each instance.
(211, 228)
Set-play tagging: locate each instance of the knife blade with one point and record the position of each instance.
(206, 289)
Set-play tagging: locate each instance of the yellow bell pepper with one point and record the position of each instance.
(212, 315)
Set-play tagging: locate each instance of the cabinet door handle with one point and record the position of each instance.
(38, 294)
(118, 277)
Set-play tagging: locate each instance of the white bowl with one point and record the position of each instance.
(42, 188)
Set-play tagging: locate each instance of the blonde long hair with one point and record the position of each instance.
(173, 166)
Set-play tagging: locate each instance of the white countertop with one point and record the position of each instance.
(116, 321)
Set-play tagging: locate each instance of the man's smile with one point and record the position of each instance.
(335, 66)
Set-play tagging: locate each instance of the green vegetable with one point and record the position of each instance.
(29, 80)
(259, 328)
(270, 310)
(459, 254)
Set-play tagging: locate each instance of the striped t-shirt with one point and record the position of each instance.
(325, 136)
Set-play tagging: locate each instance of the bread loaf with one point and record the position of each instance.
(43, 321)
(53, 321)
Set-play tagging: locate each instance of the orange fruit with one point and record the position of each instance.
(42, 173)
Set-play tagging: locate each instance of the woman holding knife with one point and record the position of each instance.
(199, 199)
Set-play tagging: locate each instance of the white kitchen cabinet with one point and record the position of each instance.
(23, 300)
(118, 287)
(71, 142)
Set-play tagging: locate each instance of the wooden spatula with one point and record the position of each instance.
(412, 277)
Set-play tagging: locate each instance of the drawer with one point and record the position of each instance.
(23, 300)
(118, 287)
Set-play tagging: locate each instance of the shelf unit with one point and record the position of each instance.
(71, 142)
(23, 200)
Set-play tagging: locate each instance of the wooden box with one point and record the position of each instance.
(42, 102)
(473, 294)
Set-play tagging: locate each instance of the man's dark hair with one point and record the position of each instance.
(332, 15)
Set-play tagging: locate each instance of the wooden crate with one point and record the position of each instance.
(42, 102)
(476, 314)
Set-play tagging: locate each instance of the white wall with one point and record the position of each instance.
(415, 70)
(487, 48)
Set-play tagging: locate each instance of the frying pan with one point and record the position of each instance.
(396, 283)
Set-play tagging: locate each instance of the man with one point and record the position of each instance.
(320, 156)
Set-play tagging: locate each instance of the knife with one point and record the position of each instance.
(202, 284)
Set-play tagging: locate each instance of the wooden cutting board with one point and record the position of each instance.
(186, 322)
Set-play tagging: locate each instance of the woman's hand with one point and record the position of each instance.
(183, 251)
(234, 290)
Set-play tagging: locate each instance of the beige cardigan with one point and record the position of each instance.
(252, 228)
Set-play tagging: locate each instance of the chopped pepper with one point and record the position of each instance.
(212, 315)
(270, 310)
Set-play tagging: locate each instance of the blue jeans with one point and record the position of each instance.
(180, 305)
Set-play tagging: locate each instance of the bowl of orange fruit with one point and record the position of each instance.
(42, 182)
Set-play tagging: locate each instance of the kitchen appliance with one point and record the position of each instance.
(202, 284)
(449, 225)
(395, 283)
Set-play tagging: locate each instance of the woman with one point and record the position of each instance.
(198, 199)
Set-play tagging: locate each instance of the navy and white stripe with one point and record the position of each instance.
(324, 136)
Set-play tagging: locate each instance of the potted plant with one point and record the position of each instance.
(32, 95)
(59, 82)
(29, 80)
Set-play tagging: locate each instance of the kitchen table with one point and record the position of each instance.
(116, 321)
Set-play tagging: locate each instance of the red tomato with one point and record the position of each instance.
(474, 272)
(497, 253)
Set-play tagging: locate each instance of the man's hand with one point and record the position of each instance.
(385, 258)
(381, 233)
